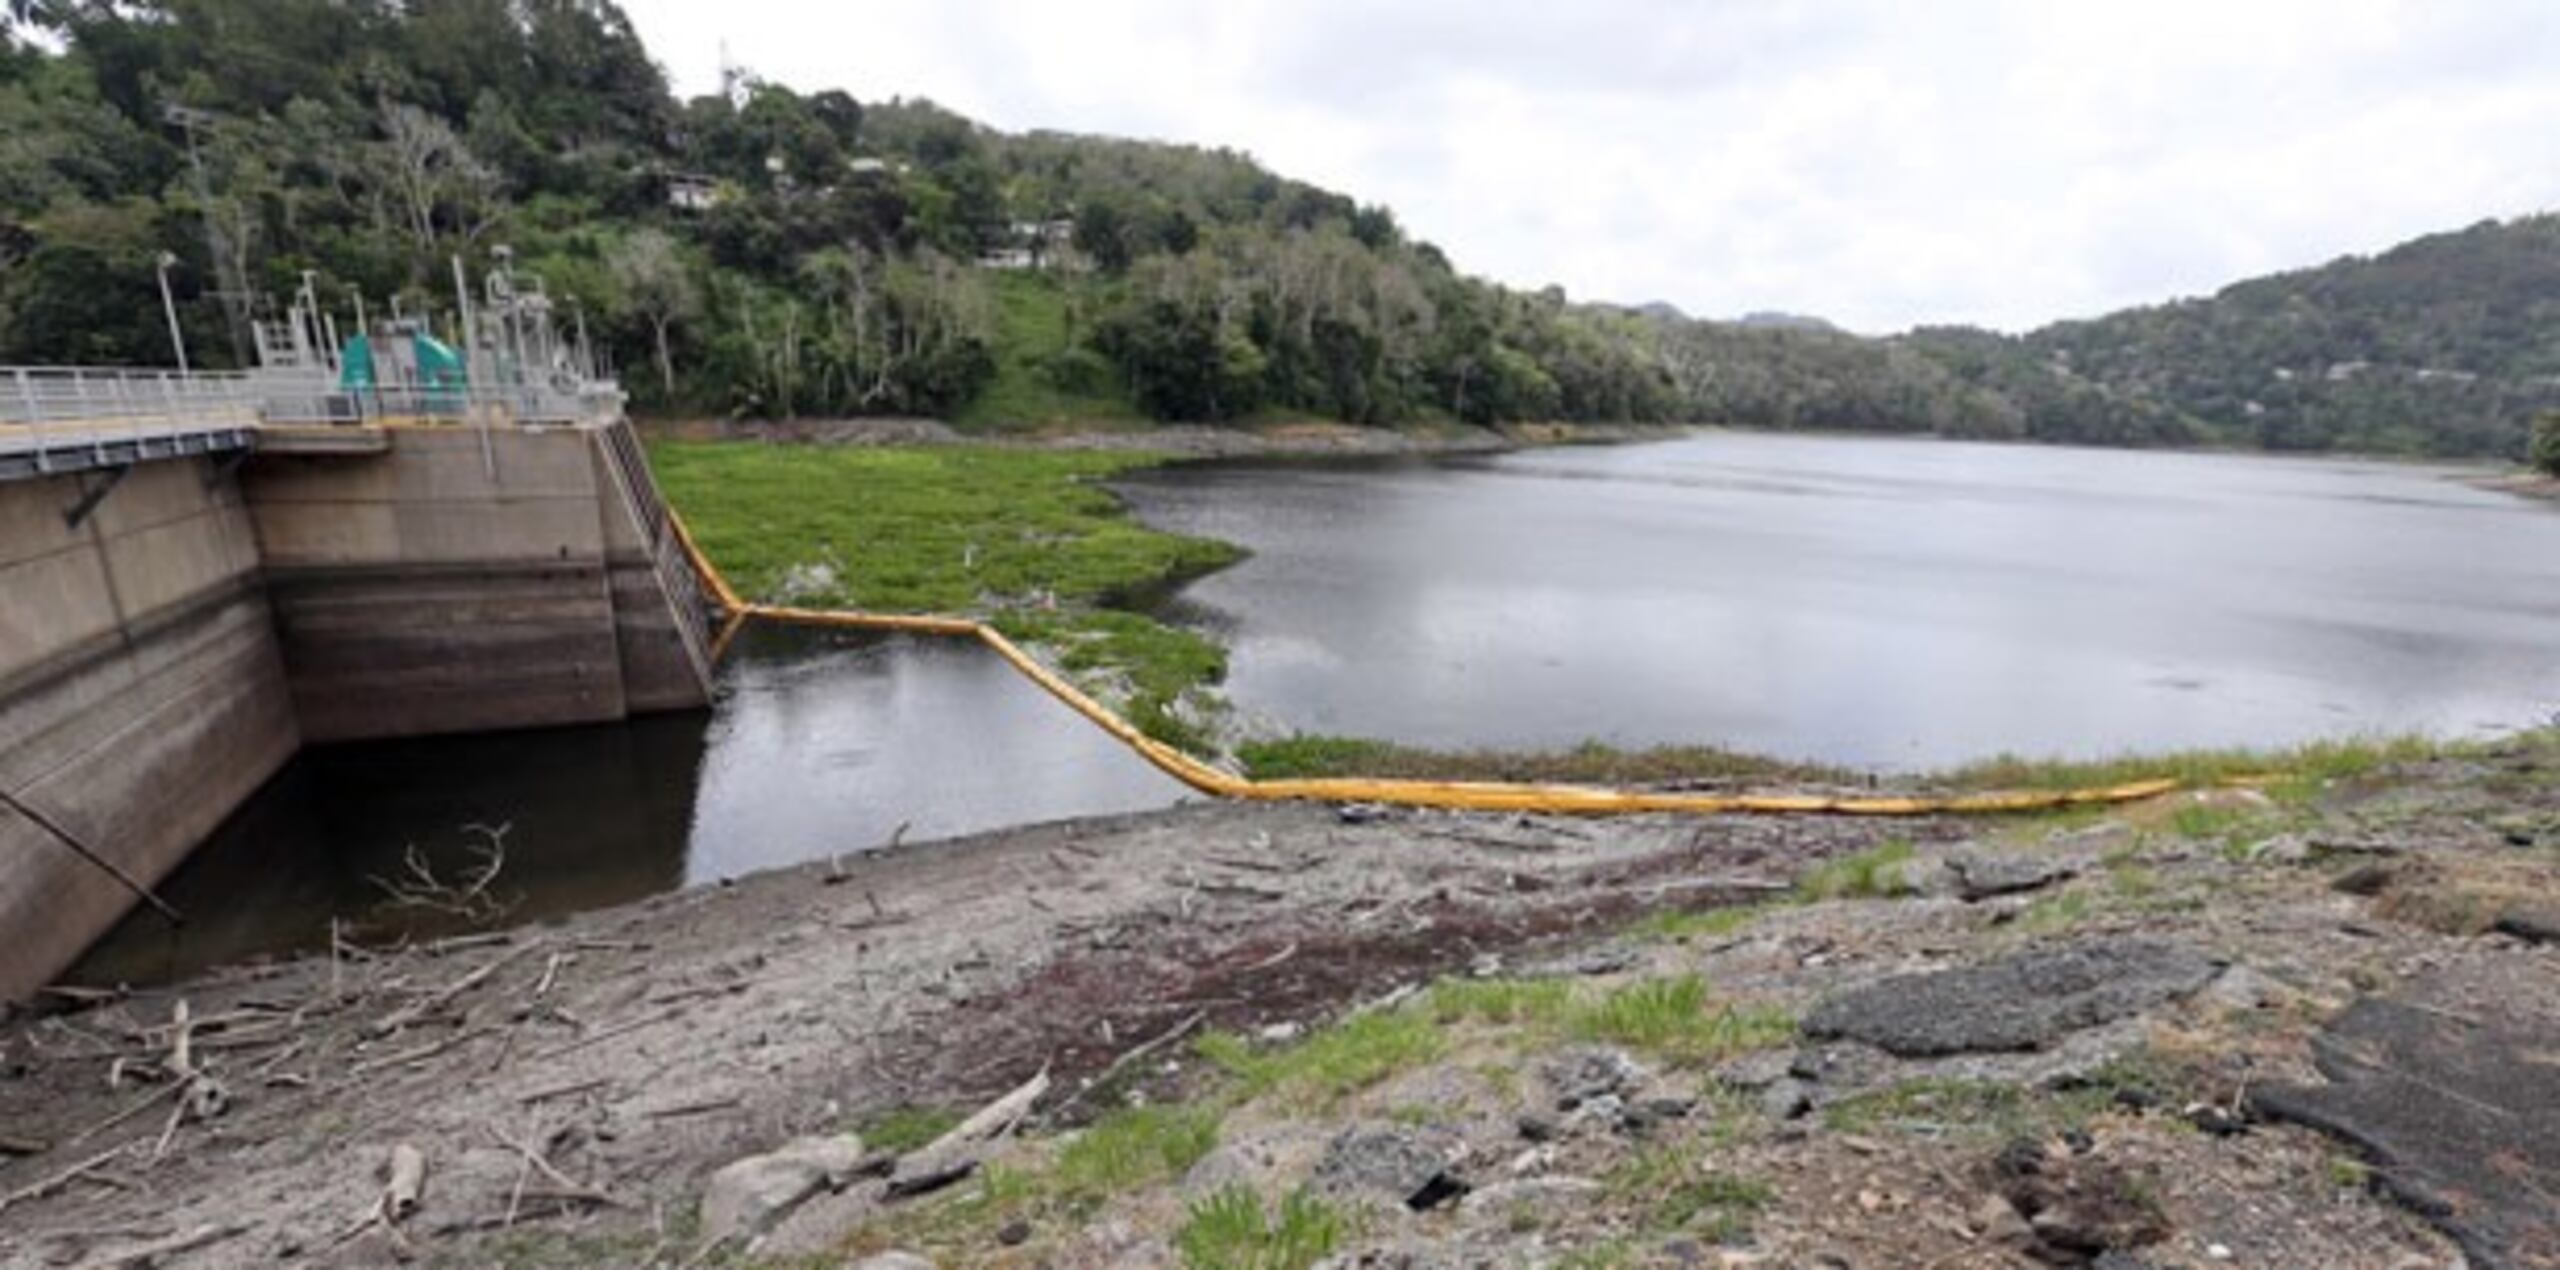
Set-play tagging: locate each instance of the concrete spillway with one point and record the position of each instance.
(165, 650)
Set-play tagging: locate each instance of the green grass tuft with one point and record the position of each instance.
(902, 1129)
(1313, 756)
(1676, 1019)
(1043, 374)
(1339, 1060)
(2317, 761)
(1710, 923)
(1132, 1147)
(1230, 1231)
(1875, 873)
(1679, 1194)
(1544, 1003)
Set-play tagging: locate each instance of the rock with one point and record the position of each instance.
(2215, 1121)
(2245, 988)
(1014, 1233)
(2460, 1115)
(2533, 924)
(1280, 1033)
(746, 1197)
(1577, 1076)
(2077, 1207)
(1387, 1163)
(2284, 848)
(1786, 1100)
(1607, 959)
(1537, 1128)
(894, 1260)
(2365, 879)
(1756, 1071)
(2023, 1001)
(1359, 813)
(1535, 1192)
(1979, 877)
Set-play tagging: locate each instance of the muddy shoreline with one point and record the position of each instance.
(667, 1036)
(635, 1051)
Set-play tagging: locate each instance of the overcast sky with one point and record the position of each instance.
(1880, 164)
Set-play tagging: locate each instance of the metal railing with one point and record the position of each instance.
(100, 413)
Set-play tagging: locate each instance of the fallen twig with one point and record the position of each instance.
(152, 1253)
(1136, 1052)
(444, 996)
(416, 1053)
(48, 1185)
(569, 1187)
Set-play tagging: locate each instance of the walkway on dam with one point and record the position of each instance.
(59, 419)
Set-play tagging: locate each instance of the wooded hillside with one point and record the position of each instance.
(765, 252)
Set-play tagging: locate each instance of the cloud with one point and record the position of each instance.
(2003, 162)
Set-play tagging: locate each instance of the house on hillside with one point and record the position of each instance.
(1037, 244)
(692, 192)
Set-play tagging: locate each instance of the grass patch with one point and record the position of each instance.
(1230, 1231)
(2315, 762)
(1679, 1194)
(1938, 1104)
(1157, 665)
(1676, 1019)
(1311, 756)
(1708, 923)
(1134, 1146)
(1874, 873)
(1544, 1003)
(903, 1129)
(1021, 536)
(2055, 912)
(1043, 374)
(946, 529)
(1339, 1060)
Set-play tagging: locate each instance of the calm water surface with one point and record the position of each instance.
(1883, 603)
(1880, 603)
(821, 743)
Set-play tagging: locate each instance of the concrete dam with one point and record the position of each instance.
(195, 582)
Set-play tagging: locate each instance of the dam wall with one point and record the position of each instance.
(142, 692)
(165, 656)
(465, 580)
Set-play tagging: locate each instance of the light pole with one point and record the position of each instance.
(169, 306)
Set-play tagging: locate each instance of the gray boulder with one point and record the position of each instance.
(2024, 1001)
(746, 1197)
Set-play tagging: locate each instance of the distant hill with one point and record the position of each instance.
(765, 252)
(2445, 344)
(1787, 321)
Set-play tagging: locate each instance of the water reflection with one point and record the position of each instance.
(821, 743)
(1884, 603)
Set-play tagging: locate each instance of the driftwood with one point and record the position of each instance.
(1132, 1055)
(955, 1154)
(442, 997)
(563, 1186)
(44, 1186)
(22, 1146)
(150, 1254)
(404, 1183)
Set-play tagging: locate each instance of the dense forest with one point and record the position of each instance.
(766, 252)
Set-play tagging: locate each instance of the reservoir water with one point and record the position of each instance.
(1882, 603)
(820, 743)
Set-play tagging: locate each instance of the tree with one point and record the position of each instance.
(2546, 442)
(655, 286)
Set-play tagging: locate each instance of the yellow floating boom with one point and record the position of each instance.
(1455, 795)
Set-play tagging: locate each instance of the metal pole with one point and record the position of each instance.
(105, 865)
(169, 306)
